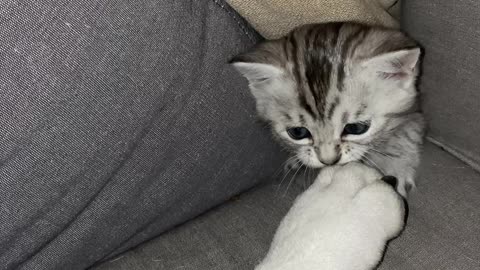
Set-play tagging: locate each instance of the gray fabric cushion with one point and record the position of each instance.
(442, 231)
(118, 121)
(450, 33)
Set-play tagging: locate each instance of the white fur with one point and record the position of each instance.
(343, 221)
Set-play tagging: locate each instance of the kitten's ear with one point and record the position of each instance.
(267, 81)
(257, 72)
(400, 65)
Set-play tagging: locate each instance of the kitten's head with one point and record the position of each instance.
(331, 90)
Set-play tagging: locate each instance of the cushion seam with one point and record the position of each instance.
(455, 153)
(237, 20)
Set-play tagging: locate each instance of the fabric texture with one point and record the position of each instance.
(274, 18)
(442, 231)
(119, 120)
(450, 33)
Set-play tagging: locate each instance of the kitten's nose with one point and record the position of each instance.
(329, 153)
(331, 161)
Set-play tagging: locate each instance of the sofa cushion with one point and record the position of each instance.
(449, 31)
(274, 19)
(119, 120)
(442, 231)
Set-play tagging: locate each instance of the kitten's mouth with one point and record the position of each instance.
(317, 164)
(331, 162)
(313, 164)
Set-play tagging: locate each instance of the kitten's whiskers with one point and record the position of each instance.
(288, 172)
(292, 179)
(373, 163)
(382, 153)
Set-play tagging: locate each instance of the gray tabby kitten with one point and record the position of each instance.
(341, 92)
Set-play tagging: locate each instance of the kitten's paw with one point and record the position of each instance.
(405, 186)
(391, 180)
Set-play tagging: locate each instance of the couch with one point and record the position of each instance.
(127, 142)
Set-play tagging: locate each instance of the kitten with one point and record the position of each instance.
(342, 221)
(340, 92)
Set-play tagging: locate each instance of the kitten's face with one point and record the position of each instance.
(352, 121)
(329, 91)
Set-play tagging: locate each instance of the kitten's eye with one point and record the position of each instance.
(355, 128)
(298, 133)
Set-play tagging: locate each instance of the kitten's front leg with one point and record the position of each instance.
(399, 155)
(406, 185)
(402, 167)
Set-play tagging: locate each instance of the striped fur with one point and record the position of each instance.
(325, 76)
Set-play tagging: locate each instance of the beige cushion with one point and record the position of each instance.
(275, 18)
